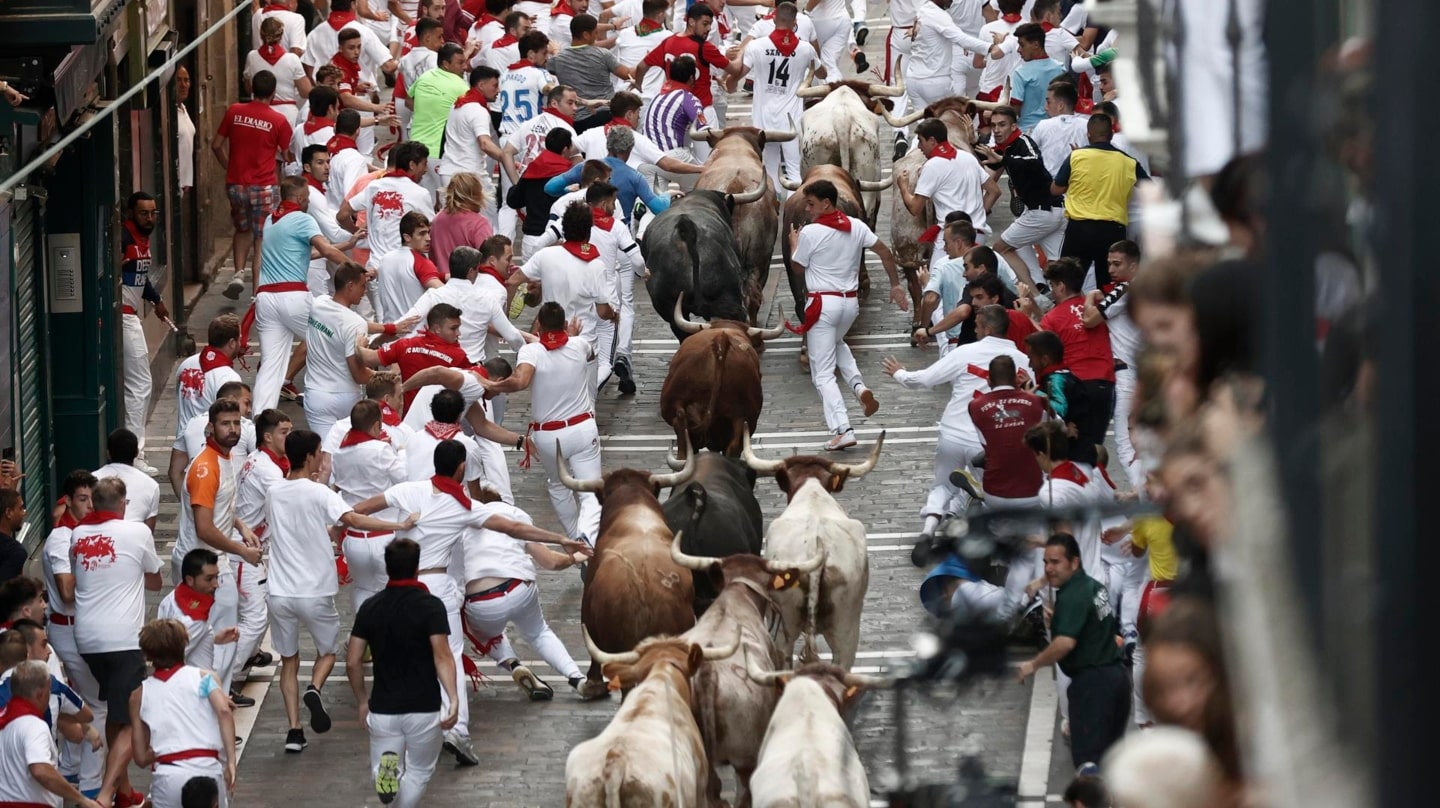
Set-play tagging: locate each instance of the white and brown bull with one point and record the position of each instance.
(651, 752)
(633, 589)
(829, 600)
(735, 166)
(808, 756)
(843, 130)
(850, 203)
(731, 708)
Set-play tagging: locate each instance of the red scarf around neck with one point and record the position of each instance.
(213, 359)
(835, 219)
(562, 116)
(101, 517)
(442, 431)
(388, 415)
(562, 8)
(1010, 18)
(314, 124)
(67, 519)
(273, 7)
(486, 269)
(546, 164)
(142, 240)
(1067, 470)
(19, 708)
(945, 151)
(396, 172)
(554, 340)
(406, 583)
(355, 437)
(603, 219)
(164, 674)
(453, 488)
(340, 143)
(314, 183)
(785, 41)
(504, 41)
(350, 71)
(339, 19)
(583, 250)
(279, 460)
(520, 65)
(647, 27)
(1005, 144)
(193, 604)
(286, 206)
(272, 52)
(471, 96)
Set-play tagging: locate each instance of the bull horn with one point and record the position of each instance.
(685, 473)
(867, 185)
(901, 122)
(760, 466)
(813, 92)
(789, 184)
(591, 486)
(991, 106)
(672, 461)
(696, 133)
(769, 333)
(762, 677)
(886, 91)
(724, 651)
(746, 197)
(627, 658)
(689, 562)
(805, 567)
(860, 469)
(780, 135)
(861, 680)
(684, 323)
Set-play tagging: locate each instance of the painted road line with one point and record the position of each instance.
(760, 438)
(783, 340)
(1039, 737)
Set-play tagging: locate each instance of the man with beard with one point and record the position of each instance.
(135, 292)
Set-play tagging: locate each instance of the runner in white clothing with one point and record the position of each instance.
(293, 22)
(933, 43)
(364, 464)
(406, 273)
(779, 63)
(828, 252)
(471, 143)
(262, 469)
(386, 200)
(446, 409)
(951, 179)
(299, 514)
(414, 63)
(445, 512)
(28, 773)
(200, 376)
(476, 404)
(189, 604)
(316, 163)
(292, 85)
(384, 389)
(1062, 131)
(347, 163)
(142, 492)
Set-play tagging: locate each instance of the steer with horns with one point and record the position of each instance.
(733, 709)
(651, 752)
(808, 756)
(718, 355)
(842, 130)
(633, 589)
(829, 600)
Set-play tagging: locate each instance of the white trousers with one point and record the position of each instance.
(580, 445)
(443, 586)
(787, 152)
(833, 34)
(1140, 712)
(280, 319)
(137, 376)
(858, 11)
(604, 350)
(254, 614)
(979, 599)
(77, 673)
(964, 76)
(921, 93)
(486, 620)
(950, 454)
(224, 614)
(319, 281)
(1124, 449)
(1044, 229)
(169, 779)
(365, 556)
(829, 353)
(417, 739)
(625, 331)
(529, 245)
(324, 407)
(495, 475)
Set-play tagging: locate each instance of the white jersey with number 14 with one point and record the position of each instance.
(776, 78)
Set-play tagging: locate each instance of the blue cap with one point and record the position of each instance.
(931, 588)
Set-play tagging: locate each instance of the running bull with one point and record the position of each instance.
(842, 130)
(717, 513)
(795, 217)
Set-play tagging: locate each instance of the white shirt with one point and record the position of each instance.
(902, 13)
(591, 143)
(1057, 136)
(529, 138)
(386, 201)
(204, 474)
(367, 469)
(109, 561)
(419, 61)
(935, 39)
(558, 390)
(298, 516)
(323, 212)
(577, 285)
(499, 58)
(346, 168)
(56, 560)
(253, 485)
(443, 520)
(617, 249)
(998, 70)
(197, 432)
(553, 234)
(1060, 493)
(287, 70)
(478, 312)
(331, 337)
(522, 94)
(463, 130)
(294, 36)
(24, 741)
(1124, 334)
(631, 48)
(967, 368)
(178, 711)
(200, 649)
(398, 434)
(955, 184)
(324, 42)
(198, 380)
(492, 554)
(777, 77)
(830, 9)
(420, 455)
(831, 257)
(400, 284)
(185, 159)
(301, 140)
(141, 490)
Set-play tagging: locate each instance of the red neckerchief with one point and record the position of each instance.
(1005, 144)
(340, 143)
(583, 250)
(451, 487)
(523, 63)
(193, 604)
(471, 96)
(546, 164)
(442, 431)
(279, 460)
(671, 86)
(945, 151)
(562, 116)
(19, 708)
(350, 71)
(484, 18)
(1010, 18)
(211, 359)
(67, 519)
(613, 124)
(339, 19)
(1046, 27)
(388, 415)
(561, 8)
(271, 53)
(273, 7)
(486, 269)
(314, 124)
(141, 239)
(647, 27)
(396, 172)
(355, 437)
(1067, 470)
(785, 41)
(286, 206)
(835, 219)
(603, 220)
(554, 340)
(314, 183)
(406, 583)
(164, 674)
(504, 41)
(101, 517)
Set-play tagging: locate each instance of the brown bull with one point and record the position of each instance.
(731, 708)
(718, 355)
(633, 589)
(850, 203)
(736, 165)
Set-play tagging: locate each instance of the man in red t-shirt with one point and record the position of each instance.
(1001, 415)
(250, 140)
(1087, 354)
(694, 43)
(437, 346)
(988, 290)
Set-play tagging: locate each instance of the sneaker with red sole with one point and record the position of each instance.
(290, 392)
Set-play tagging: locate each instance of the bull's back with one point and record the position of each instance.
(808, 758)
(636, 591)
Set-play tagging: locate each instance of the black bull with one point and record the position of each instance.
(690, 248)
(716, 514)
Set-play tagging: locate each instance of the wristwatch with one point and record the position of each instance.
(520, 444)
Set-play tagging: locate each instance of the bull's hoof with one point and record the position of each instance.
(915, 343)
(805, 356)
(594, 690)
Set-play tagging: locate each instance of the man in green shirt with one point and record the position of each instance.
(433, 96)
(1083, 642)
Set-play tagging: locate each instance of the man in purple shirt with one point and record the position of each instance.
(673, 112)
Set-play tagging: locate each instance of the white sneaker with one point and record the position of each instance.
(145, 468)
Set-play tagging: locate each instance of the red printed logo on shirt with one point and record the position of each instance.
(93, 552)
(389, 204)
(192, 382)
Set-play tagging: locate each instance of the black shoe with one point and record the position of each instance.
(902, 145)
(622, 372)
(861, 63)
(240, 699)
(861, 34)
(260, 660)
(749, 86)
(295, 741)
(319, 719)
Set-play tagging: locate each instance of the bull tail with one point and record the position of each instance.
(613, 776)
(685, 229)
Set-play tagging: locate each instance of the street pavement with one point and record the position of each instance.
(1010, 728)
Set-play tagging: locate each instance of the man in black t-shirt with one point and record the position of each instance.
(407, 632)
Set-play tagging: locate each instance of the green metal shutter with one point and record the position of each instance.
(32, 420)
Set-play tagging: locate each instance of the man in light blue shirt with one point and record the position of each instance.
(946, 289)
(619, 141)
(1031, 80)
